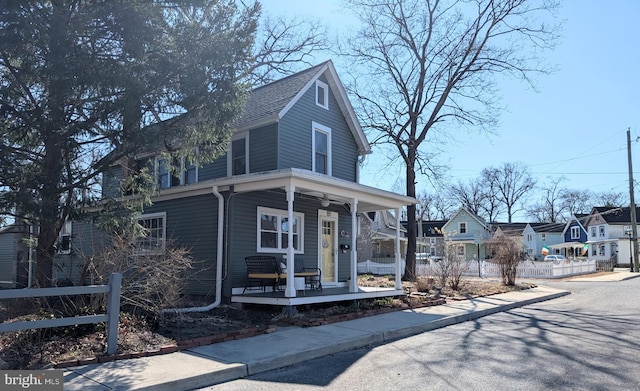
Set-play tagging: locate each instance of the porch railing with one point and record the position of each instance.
(111, 317)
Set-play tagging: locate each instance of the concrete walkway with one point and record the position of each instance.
(221, 362)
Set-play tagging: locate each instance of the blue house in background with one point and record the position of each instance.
(288, 187)
(575, 237)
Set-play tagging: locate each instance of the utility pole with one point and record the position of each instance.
(632, 208)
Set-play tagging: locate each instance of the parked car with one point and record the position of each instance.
(556, 257)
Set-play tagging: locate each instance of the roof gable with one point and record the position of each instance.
(269, 103)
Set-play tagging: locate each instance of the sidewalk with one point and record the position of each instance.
(221, 362)
(618, 274)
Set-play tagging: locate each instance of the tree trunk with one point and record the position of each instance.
(52, 163)
(410, 268)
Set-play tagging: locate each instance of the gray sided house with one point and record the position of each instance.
(14, 256)
(377, 237)
(288, 188)
(430, 238)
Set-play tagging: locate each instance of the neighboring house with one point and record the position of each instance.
(287, 187)
(14, 256)
(468, 234)
(380, 236)
(539, 235)
(430, 237)
(574, 238)
(609, 234)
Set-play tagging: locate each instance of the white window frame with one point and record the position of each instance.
(575, 232)
(460, 251)
(594, 232)
(316, 127)
(183, 172)
(236, 137)
(462, 227)
(280, 214)
(65, 231)
(432, 241)
(162, 239)
(601, 249)
(432, 251)
(322, 89)
(601, 230)
(543, 237)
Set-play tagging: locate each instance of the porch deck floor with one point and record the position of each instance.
(313, 296)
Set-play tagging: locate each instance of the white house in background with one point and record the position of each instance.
(539, 235)
(608, 234)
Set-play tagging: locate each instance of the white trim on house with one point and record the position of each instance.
(316, 127)
(238, 136)
(279, 230)
(322, 90)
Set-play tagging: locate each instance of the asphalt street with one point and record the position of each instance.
(589, 340)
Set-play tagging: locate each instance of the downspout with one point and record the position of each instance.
(218, 263)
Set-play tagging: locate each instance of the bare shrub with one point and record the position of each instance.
(424, 283)
(451, 269)
(507, 252)
(150, 282)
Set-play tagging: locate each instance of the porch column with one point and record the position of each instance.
(290, 290)
(398, 264)
(353, 280)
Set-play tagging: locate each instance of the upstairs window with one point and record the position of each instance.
(321, 140)
(593, 232)
(575, 232)
(543, 237)
(322, 94)
(601, 228)
(64, 238)
(151, 240)
(175, 171)
(238, 156)
(462, 228)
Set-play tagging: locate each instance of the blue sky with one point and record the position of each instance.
(574, 126)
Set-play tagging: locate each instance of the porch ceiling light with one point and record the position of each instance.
(325, 201)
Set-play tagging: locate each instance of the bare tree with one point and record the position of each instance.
(435, 206)
(285, 45)
(435, 65)
(470, 195)
(577, 201)
(610, 198)
(508, 252)
(512, 181)
(552, 208)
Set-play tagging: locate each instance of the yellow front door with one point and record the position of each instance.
(327, 250)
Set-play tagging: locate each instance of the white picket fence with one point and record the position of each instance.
(526, 269)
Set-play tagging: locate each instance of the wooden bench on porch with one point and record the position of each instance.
(263, 270)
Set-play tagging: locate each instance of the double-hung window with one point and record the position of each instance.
(274, 229)
(175, 171)
(238, 161)
(64, 238)
(321, 140)
(575, 232)
(462, 228)
(152, 234)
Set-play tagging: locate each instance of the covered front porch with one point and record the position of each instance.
(314, 296)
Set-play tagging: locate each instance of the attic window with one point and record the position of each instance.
(322, 94)
(462, 228)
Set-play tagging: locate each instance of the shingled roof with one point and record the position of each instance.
(269, 103)
(265, 103)
(614, 215)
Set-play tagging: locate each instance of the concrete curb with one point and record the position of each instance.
(392, 335)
